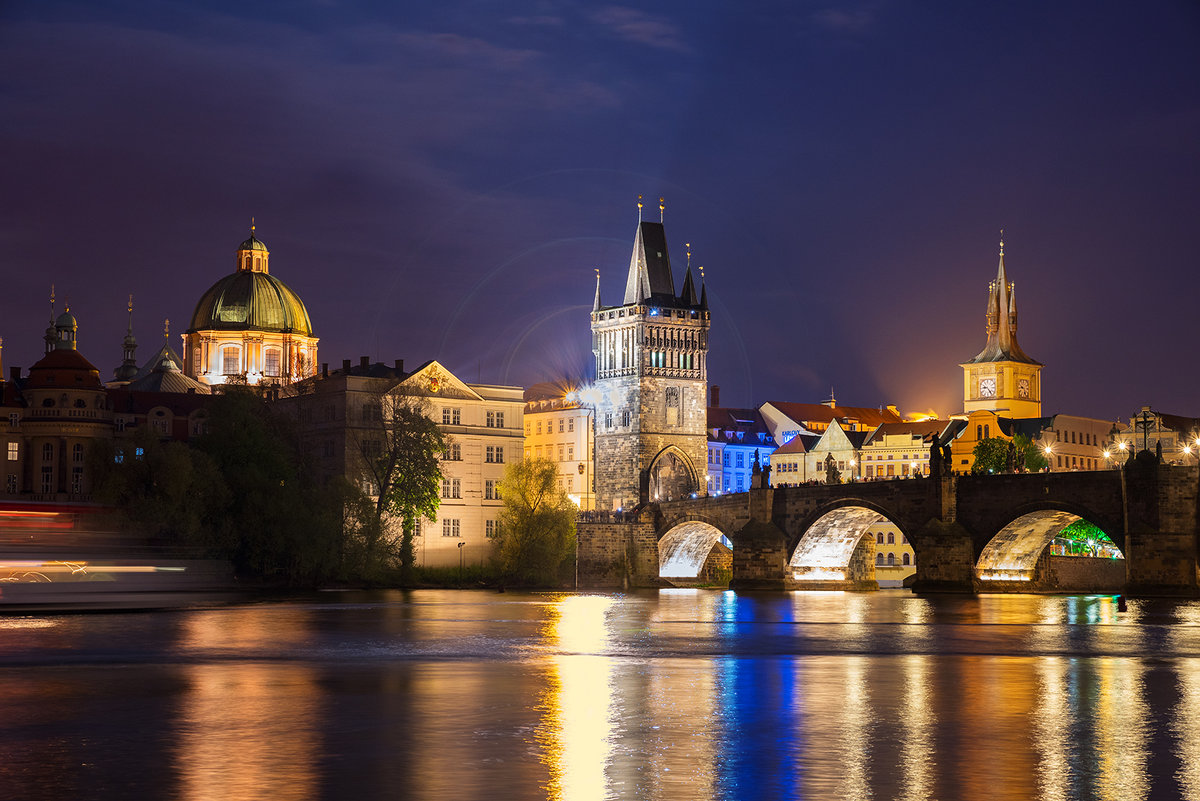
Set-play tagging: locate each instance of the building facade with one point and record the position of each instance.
(737, 440)
(250, 327)
(558, 427)
(651, 384)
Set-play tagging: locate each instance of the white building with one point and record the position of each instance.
(558, 427)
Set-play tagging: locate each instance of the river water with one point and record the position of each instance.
(676, 694)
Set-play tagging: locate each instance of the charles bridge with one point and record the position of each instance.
(968, 533)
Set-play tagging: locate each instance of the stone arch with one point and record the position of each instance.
(1012, 554)
(671, 475)
(832, 547)
(685, 548)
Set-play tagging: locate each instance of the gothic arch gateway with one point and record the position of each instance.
(671, 475)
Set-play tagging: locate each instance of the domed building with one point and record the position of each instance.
(250, 327)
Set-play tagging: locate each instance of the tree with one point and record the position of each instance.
(400, 454)
(1029, 455)
(537, 526)
(991, 456)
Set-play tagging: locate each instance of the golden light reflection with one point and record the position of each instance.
(1121, 716)
(919, 720)
(243, 630)
(1052, 729)
(576, 733)
(248, 732)
(1186, 725)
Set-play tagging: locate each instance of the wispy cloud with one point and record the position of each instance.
(641, 28)
(847, 20)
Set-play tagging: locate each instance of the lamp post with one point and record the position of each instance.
(460, 562)
(1049, 456)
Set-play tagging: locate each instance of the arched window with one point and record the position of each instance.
(906, 560)
(978, 432)
(248, 262)
(879, 559)
(879, 538)
(271, 362)
(891, 538)
(986, 433)
(891, 559)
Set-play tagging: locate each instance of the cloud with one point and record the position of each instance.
(640, 28)
(848, 21)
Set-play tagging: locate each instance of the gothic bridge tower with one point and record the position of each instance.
(651, 381)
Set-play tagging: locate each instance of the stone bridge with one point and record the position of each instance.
(968, 533)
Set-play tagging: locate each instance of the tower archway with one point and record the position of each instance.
(671, 475)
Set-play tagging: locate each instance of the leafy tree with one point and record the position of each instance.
(537, 526)
(400, 455)
(1029, 454)
(991, 456)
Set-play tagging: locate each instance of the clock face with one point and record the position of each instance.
(987, 387)
(1023, 387)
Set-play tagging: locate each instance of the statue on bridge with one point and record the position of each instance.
(832, 474)
(935, 459)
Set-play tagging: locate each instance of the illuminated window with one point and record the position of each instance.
(271, 362)
(14, 451)
(231, 361)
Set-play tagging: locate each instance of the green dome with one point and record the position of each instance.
(250, 301)
(253, 243)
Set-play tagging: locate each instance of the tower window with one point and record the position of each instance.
(271, 362)
(231, 359)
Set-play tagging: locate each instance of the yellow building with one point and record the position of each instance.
(250, 327)
(558, 427)
(1002, 378)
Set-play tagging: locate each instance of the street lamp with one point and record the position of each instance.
(1049, 453)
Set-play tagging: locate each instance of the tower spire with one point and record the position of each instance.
(596, 302)
(662, 209)
(639, 209)
(128, 369)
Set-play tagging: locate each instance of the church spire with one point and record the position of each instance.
(688, 295)
(650, 277)
(596, 303)
(1002, 320)
(128, 369)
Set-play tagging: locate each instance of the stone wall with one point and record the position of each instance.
(1086, 574)
(617, 554)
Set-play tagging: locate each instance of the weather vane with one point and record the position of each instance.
(661, 209)
(1001, 241)
(688, 245)
(639, 208)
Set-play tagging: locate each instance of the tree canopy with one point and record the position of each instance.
(537, 526)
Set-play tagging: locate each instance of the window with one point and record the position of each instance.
(740, 459)
(560, 453)
(47, 452)
(492, 529)
(271, 362)
(451, 488)
(327, 450)
(879, 538)
(986, 432)
(47, 479)
(539, 424)
(77, 480)
(450, 528)
(626, 418)
(570, 453)
(494, 454)
(14, 419)
(571, 425)
(491, 490)
(561, 425)
(138, 453)
(196, 365)
(453, 453)
(907, 560)
(891, 538)
(741, 481)
(12, 484)
(14, 451)
(119, 456)
(725, 459)
(230, 361)
(879, 559)
(496, 420)
(451, 417)
(77, 454)
(608, 419)
(891, 559)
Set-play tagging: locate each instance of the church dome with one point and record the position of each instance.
(253, 243)
(251, 301)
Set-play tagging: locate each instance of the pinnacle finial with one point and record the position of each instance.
(688, 245)
(52, 304)
(130, 305)
(662, 207)
(639, 209)
(1001, 241)
(251, 226)
(167, 328)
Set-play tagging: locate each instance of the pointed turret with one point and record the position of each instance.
(129, 367)
(596, 305)
(1002, 321)
(649, 267)
(703, 290)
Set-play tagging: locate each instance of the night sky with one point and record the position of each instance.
(439, 181)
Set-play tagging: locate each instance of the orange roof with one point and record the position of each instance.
(820, 413)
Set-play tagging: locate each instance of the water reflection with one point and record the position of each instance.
(576, 733)
(248, 732)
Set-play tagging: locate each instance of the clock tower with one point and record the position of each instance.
(1002, 378)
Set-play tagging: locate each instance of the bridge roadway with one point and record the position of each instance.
(968, 533)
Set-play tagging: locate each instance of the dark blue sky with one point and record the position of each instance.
(439, 180)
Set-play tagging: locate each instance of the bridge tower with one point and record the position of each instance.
(650, 394)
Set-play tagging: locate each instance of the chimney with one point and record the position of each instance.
(714, 396)
(364, 363)
(324, 369)
(400, 365)
(346, 366)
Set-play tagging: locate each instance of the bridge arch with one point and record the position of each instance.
(831, 546)
(671, 475)
(1013, 553)
(685, 548)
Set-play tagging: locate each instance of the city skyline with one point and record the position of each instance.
(441, 183)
